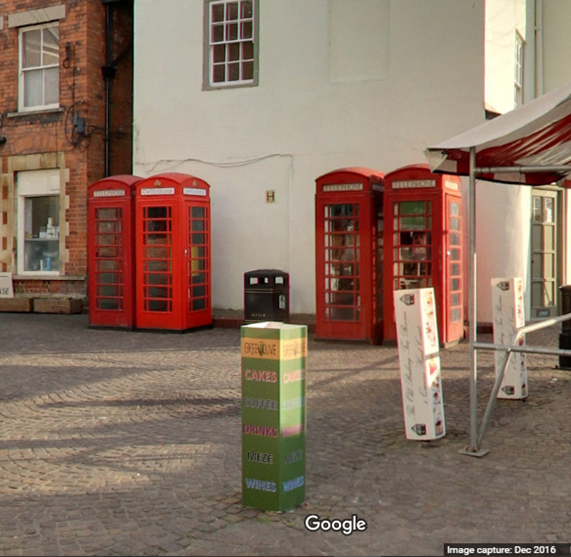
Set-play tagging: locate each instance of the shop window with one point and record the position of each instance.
(230, 53)
(39, 67)
(38, 223)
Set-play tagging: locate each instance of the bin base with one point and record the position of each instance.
(565, 344)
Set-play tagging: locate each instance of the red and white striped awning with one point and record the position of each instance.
(528, 145)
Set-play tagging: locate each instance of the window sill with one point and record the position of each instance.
(40, 112)
(46, 276)
(229, 85)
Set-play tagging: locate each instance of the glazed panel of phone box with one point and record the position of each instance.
(273, 417)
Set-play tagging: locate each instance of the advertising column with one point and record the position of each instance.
(274, 364)
(419, 358)
(507, 302)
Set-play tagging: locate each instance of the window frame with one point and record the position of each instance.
(31, 185)
(208, 46)
(22, 71)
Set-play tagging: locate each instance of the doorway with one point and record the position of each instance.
(545, 252)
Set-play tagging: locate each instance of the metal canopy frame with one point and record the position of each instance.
(474, 449)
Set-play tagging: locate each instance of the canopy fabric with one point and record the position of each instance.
(536, 134)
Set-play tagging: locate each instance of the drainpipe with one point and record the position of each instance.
(108, 72)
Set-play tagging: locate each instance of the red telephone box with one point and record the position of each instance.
(110, 238)
(349, 255)
(173, 281)
(423, 242)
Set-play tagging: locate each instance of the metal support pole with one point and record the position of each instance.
(494, 395)
(522, 169)
(473, 449)
(524, 349)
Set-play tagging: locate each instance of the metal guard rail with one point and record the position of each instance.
(509, 350)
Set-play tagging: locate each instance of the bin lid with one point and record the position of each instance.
(266, 273)
(268, 276)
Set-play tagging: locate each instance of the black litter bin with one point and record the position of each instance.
(266, 296)
(565, 336)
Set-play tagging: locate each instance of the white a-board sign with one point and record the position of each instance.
(419, 358)
(508, 314)
(6, 288)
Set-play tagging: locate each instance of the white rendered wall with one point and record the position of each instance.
(503, 19)
(502, 211)
(556, 43)
(317, 108)
(503, 239)
(556, 46)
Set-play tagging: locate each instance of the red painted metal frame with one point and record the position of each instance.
(110, 252)
(446, 190)
(173, 248)
(348, 284)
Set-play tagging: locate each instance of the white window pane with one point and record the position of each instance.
(232, 11)
(51, 46)
(52, 86)
(549, 216)
(231, 31)
(246, 30)
(41, 250)
(219, 53)
(33, 88)
(32, 48)
(217, 34)
(246, 9)
(233, 51)
(537, 212)
(248, 50)
(219, 73)
(233, 72)
(247, 70)
(42, 216)
(549, 300)
(217, 12)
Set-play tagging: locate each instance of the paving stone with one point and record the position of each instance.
(115, 443)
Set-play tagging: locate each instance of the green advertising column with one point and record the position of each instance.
(274, 363)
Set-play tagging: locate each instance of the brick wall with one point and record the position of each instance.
(49, 140)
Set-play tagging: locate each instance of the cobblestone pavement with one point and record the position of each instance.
(119, 443)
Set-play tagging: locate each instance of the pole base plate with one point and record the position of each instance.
(474, 452)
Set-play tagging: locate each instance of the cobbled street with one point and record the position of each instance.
(122, 443)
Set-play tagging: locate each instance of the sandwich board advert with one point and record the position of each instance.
(419, 358)
(6, 288)
(508, 315)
